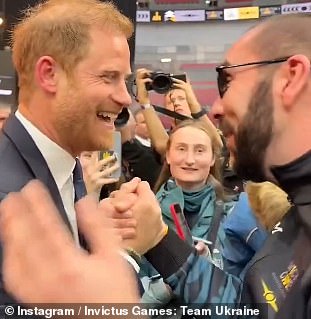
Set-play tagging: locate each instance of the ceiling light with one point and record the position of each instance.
(166, 60)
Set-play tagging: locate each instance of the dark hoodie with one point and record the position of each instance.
(280, 274)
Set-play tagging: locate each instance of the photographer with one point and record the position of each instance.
(179, 98)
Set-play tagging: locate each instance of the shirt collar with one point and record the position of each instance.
(59, 161)
(145, 142)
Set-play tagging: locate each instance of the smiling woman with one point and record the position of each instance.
(192, 157)
(189, 178)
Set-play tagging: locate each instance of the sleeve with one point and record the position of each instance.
(193, 278)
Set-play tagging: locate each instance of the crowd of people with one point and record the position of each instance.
(170, 230)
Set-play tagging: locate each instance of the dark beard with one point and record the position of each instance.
(254, 135)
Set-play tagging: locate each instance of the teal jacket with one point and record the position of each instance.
(170, 194)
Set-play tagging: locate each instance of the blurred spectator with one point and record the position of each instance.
(244, 236)
(269, 203)
(138, 157)
(141, 129)
(262, 206)
(96, 172)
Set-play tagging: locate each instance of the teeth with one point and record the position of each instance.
(112, 116)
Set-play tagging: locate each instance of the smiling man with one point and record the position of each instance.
(73, 60)
(265, 88)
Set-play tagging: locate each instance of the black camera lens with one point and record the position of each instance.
(161, 83)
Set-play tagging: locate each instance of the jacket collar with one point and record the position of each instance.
(28, 150)
(295, 179)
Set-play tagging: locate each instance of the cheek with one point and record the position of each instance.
(175, 160)
(185, 106)
(204, 165)
(170, 106)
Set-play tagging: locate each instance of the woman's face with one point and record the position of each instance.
(190, 157)
(176, 100)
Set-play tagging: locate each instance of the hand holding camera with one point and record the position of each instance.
(163, 82)
(187, 88)
(142, 79)
(157, 81)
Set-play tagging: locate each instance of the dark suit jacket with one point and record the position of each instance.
(20, 162)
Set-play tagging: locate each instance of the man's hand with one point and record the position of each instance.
(145, 210)
(122, 201)
(41, 263)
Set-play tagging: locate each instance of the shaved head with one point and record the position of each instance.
(282, 35)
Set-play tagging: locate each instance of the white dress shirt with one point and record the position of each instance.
(61, 165)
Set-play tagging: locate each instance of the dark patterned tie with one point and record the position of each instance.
(78, 183)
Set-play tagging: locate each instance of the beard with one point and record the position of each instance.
(254, 135)
(73, 122)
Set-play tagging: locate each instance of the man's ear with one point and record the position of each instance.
(294, 77)
(46, 74)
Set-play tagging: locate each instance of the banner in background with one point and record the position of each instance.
(228, 14)
(241, 13)
(295, 8)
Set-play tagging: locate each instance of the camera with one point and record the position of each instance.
(163, 82)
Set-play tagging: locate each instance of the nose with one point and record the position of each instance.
(122, 95)
(217, 109)
(189, 158)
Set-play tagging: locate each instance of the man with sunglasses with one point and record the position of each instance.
(265, 88)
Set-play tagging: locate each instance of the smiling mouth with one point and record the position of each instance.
(107, 117)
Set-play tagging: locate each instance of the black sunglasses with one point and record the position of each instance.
(222, 76)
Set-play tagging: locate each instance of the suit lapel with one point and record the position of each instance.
(33, 158)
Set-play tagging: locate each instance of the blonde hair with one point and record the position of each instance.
(268, 202)
(215, 172)
(61, 29)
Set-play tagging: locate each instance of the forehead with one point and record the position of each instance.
(176, 93)
(243, 50)
(190, 135)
